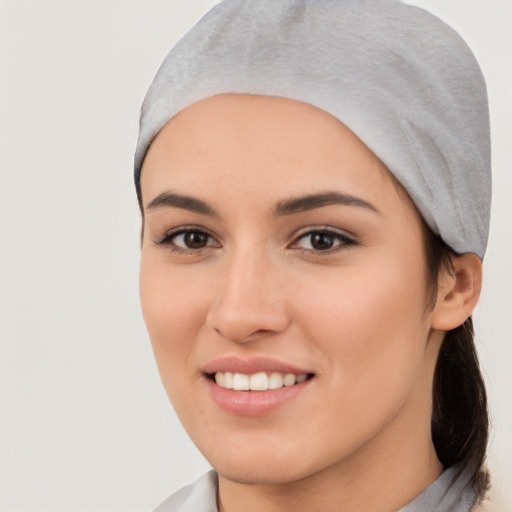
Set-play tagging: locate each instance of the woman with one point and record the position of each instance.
(314, 180)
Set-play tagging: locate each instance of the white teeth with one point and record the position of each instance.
(228, 380)
(219, 379)
(275, 381)
(257, 381)
(240, 382)
(289, 379)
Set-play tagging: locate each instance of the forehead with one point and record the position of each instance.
(262, 144)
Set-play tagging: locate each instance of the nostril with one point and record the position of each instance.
(242, 333)
(260, 332)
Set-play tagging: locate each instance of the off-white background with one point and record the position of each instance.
(85, 424)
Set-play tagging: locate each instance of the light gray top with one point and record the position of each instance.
(402, 80)
(449, 493)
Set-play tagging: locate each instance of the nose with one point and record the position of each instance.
(249, 303)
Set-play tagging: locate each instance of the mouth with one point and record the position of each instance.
(260, 381)
(256, 386)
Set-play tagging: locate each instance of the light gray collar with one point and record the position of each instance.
(451, 492)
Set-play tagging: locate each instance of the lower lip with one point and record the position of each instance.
(254, 403)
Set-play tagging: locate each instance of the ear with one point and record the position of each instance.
(458, 292)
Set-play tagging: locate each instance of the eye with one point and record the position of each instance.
(188, 239)
(323, 240)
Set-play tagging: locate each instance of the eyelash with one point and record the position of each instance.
(168, 239)
(344, 241)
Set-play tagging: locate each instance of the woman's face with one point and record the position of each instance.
(275, 243)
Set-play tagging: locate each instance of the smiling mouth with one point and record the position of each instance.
(261, 381)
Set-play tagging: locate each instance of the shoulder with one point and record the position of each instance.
(200, 496)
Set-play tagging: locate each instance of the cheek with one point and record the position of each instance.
(174, 308)
(373, 326)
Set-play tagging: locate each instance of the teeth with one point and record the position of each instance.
(240, 382)
(275, 381)
(228, 380)
(289, 379)
(257, 381)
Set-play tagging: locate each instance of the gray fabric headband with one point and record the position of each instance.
(403, 81)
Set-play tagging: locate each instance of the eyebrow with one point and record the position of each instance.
(287, 207)
(173, 200)
(312, 201)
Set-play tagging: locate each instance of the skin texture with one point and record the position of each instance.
(356, 316)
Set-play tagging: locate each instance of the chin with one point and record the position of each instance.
(253, 457)
(269, 461)
(272, 472)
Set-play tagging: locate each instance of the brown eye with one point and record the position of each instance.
(323, 241)
(195, 239)
(188, 240)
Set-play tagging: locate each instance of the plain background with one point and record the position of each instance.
(85, 424)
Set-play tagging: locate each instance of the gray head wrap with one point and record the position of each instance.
(403, 81)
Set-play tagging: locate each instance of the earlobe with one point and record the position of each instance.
(458, 292)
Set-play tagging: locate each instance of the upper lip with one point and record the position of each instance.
(251, 365)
